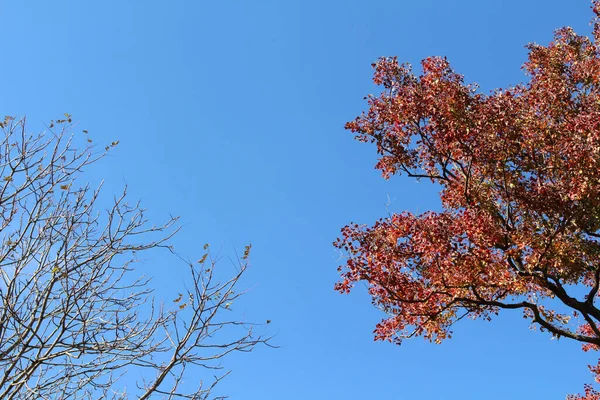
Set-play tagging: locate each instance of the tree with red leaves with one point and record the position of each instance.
(519, 177)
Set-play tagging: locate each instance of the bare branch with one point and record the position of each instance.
(77, 320)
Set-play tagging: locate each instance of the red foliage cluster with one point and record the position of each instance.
(519, 171)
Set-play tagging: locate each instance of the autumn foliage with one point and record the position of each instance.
(519, 178)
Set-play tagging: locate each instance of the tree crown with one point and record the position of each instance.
(519, 178)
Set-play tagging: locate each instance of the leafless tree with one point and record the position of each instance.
(77, 320)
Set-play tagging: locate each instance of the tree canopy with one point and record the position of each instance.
(519, 177)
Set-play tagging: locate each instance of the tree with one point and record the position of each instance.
(519, 177)
(77, 320)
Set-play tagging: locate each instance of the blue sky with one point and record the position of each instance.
(230, 114)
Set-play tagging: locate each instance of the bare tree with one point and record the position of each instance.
(77, 320)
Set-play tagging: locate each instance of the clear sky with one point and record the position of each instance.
(230, 114)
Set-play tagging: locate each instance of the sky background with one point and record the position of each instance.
(230, 114)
